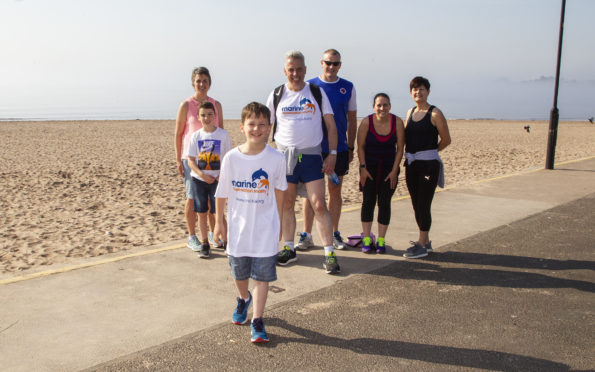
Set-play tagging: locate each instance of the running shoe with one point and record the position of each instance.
(193, 243)
(215, 244)
(381, 246)
(367, 245)
(240, 315)
(428, 247)
(416, 251)
(258, 332)
(305, 242)
(205, 250)
(286, 256)
(338, 241)
(331, 264)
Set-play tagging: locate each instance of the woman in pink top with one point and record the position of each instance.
(187, 122)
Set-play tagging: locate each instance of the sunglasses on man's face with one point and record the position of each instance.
(328, 63)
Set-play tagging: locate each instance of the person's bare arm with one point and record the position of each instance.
(179, 133)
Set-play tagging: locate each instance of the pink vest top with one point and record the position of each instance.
(193, 123)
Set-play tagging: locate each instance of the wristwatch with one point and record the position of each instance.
(333, 152)
(362, 166)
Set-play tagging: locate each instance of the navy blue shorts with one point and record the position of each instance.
(203, 194)
(307, 169)
(263, 269)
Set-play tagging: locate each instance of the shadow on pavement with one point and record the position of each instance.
(463, 357)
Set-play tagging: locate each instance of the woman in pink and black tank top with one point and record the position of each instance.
(380, 143)
(187, 123)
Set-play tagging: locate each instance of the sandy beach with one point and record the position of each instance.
(89, 188)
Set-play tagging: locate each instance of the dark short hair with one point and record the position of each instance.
(380, 95)
(206, 105)
(418, 81)
(257, 109)
(201, 71)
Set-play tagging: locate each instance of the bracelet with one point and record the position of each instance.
(362, 166)
(333, 152)
(351, 148)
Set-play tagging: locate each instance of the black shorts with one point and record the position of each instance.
(342, 163)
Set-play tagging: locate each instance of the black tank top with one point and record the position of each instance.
(379, 147)
(420, 135)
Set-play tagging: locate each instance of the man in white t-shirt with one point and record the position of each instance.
(301, 112)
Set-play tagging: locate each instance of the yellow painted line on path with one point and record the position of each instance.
(88, 264)
(172, 247)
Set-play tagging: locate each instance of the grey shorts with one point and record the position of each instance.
(263, 269)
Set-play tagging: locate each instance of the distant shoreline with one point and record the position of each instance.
(8, 120)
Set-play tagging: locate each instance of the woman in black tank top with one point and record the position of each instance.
(426, 133)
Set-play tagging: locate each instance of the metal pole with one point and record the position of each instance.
(554, 114)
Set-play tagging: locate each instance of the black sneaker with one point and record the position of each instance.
(286, 256)
(205, 249)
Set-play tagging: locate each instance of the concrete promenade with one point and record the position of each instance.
(510, 286)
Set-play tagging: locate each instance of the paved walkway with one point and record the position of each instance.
(510, 287)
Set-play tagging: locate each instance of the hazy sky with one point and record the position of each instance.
(133, 59)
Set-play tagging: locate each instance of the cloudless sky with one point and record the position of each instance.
(132, 59)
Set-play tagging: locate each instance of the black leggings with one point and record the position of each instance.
(422, 178)
(377, 189)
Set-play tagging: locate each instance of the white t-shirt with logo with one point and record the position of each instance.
(298, 117)
(249, 183)
(209, 149)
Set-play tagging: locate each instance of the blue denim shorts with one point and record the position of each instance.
(193, 192)
(205, 193)
(307, 169)
(263, 269)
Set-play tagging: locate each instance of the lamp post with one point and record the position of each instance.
(554, 114)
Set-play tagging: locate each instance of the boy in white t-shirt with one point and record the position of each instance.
(206, 150)
(252, 182)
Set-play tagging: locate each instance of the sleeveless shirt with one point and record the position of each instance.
(193, 123)
(420, 135)
(381, 149)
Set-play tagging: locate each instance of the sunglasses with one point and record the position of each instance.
(328, 63)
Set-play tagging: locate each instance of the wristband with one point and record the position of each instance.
(333, 152)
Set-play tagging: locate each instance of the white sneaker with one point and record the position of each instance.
(193, 243)
(305, 242)
(338, 241)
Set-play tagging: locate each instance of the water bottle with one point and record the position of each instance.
(334, 178)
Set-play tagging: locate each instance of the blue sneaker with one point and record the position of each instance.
(240, 315)
(193, 243)
(258, 332)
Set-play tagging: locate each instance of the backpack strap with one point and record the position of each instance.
(277, 94)
(315, 89)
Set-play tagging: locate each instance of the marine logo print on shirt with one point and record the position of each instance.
(209, 154)
(259, 183)
(305, 107)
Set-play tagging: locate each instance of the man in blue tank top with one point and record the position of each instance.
(341, 94)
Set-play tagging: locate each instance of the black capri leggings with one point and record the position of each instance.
(377, 189)
(422, 178)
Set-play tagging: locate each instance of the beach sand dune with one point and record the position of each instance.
(90, 188)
